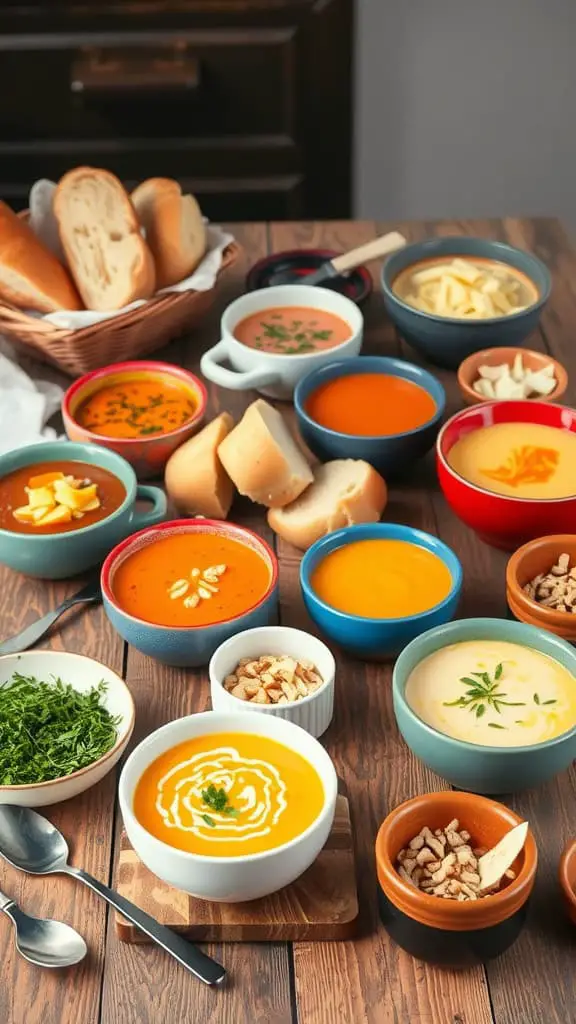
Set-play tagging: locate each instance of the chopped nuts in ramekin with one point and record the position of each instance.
(273, 679)
(556, 588)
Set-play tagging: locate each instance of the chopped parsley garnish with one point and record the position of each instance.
(217, 800)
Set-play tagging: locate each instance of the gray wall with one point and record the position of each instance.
(465, 108)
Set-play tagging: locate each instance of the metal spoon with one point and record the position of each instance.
(43, 942)
(33, 633)
(31, 843)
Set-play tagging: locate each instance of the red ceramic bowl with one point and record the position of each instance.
(147, 455)
(505, 522)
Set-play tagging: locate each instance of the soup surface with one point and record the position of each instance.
(39, 493)
(228, 795)
(493, 693)
(524, 460)
(191, 579)
(292, 330)
(382, 579)
(465, 288)
(370, 404)
(138, 406)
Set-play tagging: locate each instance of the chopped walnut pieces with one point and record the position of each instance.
(443, 863)
(555, 589)
(273, 679)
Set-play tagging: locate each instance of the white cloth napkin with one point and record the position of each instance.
(25, 407)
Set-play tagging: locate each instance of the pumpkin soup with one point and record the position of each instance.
(523, 460)
(228, 795)
(292, 330)
(57, 497)
(370, 404)
(138, 406)
(382, 579)
(191, 578)
(493, 693)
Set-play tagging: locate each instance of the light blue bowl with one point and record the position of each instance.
(180, 645)
(375, 639)
(55, 556)
(388, 454)
(446, 341)
(487, 770)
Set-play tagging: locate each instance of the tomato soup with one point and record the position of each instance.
(228, 795)
(191, 579)
(523, 460)
(370, 404)
(57, 497)
(292, 330)
(138, 406)
(382, 579)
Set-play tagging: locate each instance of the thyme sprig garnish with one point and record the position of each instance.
(483, 693)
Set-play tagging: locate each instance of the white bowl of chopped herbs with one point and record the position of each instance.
(65, 721)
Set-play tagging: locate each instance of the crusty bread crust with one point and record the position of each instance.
(195, 479)
(31, 277)
(175, 230)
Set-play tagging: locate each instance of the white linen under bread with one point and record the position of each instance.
(25, 407)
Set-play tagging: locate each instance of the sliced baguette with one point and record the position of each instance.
(31, 277)
(175, 230)
(195, 479)
(344, 492)
(262, 458)
(100, 234)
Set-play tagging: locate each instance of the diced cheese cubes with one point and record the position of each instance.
(516, 381)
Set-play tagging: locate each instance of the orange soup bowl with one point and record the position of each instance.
(446, 932)
(176, 592)
(567, 876)
(519, 470)
(535, 557)
(142, 410)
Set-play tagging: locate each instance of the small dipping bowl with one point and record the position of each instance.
(272, 373)
(388, 453)
(472, 766)
(567, 876)
(502, 520)
(468, 371)
(446, 341)
(147, 454)
(356, 285)
(535, 557)
(373, 639)
(444, 932)
(188, 646)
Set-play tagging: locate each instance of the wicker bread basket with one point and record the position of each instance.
(119, 339)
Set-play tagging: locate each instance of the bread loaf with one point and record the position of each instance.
(100, 233)
(175, 230)
(195, 479)
(30, 275)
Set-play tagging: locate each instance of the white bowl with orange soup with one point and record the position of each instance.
(227, 806)
(274, 336)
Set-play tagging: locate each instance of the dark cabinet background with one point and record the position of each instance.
(246, 102)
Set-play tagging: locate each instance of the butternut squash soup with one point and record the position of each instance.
(228, 795)
(493, 693)
(191, 579)
(292, 330)
(58, 497)
(138, 406)
(382, 579)
(370, 404)
(523, 460)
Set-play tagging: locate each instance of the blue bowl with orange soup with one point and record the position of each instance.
(377, 408)
(373, 588)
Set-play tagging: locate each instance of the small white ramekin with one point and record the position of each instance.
(313, 713)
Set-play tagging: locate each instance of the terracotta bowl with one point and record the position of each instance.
(445, 932)
(532, 558)
(567, 876)
(468, 370)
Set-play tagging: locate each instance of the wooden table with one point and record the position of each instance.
(370, 979)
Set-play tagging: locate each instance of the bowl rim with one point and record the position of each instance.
(244, 719)
(185, 525)
(528, 402)
(502, 247)
(568, 855)
(467, 746)
(133, 366)
(468, 390)
(391, 363)
(121, 739)
(271, 708)
(514, 588)
(363, 531)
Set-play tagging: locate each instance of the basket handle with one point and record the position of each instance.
(235, 380)
(153, 515)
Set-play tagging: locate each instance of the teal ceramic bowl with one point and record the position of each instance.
(55, 556)
(446, 341)
(469, 766)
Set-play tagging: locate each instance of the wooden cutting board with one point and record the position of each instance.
(321, 904)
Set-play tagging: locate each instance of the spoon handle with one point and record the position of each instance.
(206, 969)
(33, 633)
